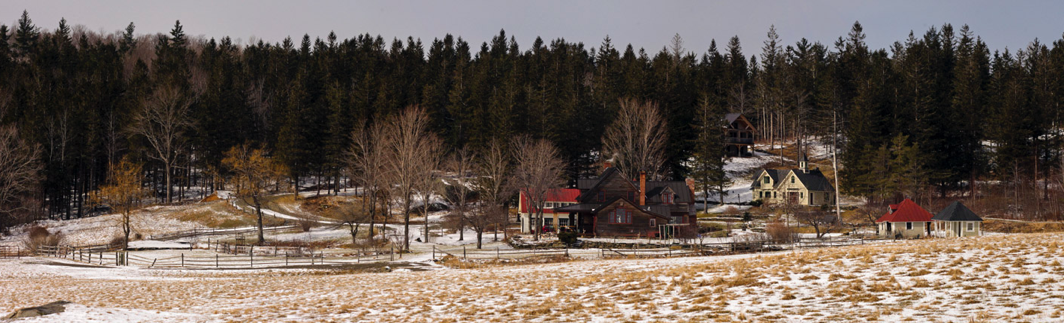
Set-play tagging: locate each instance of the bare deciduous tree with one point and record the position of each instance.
(123, 193)
(537, 173)
(460, 194)
(353, 216)
(369, 152)
(820, 219)
(162, 122)
(19, 175)
(409, 140)
(254, 171)
(494, 168)
(428, 182)
(635, 141)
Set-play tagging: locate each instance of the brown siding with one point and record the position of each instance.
(640, 222)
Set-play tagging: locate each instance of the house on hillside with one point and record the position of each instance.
(796, 186)
(551, 219)
(956, 220)
(739, 136)
(904, 220)
(613, 205)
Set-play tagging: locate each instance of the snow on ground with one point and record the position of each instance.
(155, 244)
(82, 313)
(101, 229)
(995, 278)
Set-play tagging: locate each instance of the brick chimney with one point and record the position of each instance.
(606, 164)
(642, 188)
(690, 184)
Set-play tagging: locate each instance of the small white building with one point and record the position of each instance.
(956, 220)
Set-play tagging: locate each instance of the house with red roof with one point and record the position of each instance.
(905, 220)
(551, 219)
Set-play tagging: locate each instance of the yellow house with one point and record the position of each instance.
(800, 186)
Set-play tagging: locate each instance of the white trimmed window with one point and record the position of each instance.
(971, 226)
(908, 225)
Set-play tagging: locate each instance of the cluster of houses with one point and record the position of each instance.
(614, 205)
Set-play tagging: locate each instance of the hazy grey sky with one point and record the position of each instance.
(647, 24)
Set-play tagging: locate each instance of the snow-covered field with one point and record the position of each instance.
(996, 278)
(101, 229)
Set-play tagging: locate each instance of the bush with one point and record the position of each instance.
(757, 203)
(40, 236)
(780, 232)
(568, 238)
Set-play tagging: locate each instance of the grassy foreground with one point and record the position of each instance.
(996, 278)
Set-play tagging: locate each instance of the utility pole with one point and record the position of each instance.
(835, 161)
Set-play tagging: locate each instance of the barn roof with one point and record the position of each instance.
(956, 212)
(907, 211)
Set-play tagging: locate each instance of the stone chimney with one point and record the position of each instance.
(642, 188)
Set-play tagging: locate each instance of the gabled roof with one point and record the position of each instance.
(606, 175)
(813, 180)
(558, 195)
(956, 212)
(683, 193)
(907, 211)
(732, 117)
(772, 173)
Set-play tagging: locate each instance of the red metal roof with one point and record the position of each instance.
(906, 211)
(561, 195)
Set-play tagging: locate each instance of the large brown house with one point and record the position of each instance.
(739, 137)
(612, 205)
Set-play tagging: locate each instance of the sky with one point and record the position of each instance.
(643, 24)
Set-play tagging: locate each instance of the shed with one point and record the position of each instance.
(957, 220)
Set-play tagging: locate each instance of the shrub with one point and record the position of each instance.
(780, 232)
(568, 238)
(40, 236)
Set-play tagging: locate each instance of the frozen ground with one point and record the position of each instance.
(1002, 278)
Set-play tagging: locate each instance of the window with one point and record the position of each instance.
(653, 222)
(767, 179)
(801, 195)
(620, 216)
(792, 180)
(908, 225)
(971, 226)
(563, 222)
(602, 196)
(666, 198)
(550, 205)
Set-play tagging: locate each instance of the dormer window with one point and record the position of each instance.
(767, 180)
(666, 198)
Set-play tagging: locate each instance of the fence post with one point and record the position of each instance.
(566, 251)
(116, 258)
(216, 261)
(252, 259)
(286, 258)
(463, 253)
(182, 259)
(497, 253)
(433, 252)
(18, 252)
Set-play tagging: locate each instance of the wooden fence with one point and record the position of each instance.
(12, 252)
(214, 232)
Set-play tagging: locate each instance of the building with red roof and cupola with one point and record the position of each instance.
(905, 220)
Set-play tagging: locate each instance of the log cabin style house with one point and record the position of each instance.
(611, 205)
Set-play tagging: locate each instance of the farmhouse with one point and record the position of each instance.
(904, 220)
(797, 186)
(551, 219)
(613, 205)
(739, 135)
(956, 220)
